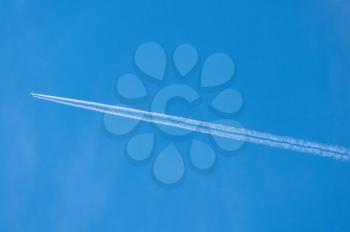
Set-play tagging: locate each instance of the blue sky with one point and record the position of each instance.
(60, 170)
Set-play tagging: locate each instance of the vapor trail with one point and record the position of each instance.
(230, 132)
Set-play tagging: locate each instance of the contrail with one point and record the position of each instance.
(230, 132)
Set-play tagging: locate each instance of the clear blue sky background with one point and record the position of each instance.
(61, 171)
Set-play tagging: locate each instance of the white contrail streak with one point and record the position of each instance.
(230, 132)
